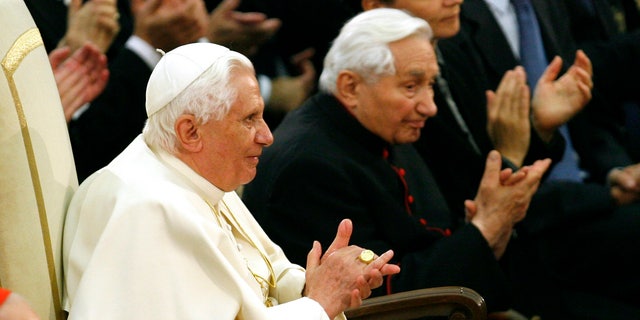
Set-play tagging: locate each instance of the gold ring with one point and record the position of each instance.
(366, 256)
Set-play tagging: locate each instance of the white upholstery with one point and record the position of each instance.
(37, 172)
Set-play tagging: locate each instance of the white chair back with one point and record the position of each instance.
(37, 172)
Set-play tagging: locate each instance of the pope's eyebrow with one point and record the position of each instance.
(417, 73)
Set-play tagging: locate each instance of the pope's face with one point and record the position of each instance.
(234, 143)
(397, 106)
(443, 15)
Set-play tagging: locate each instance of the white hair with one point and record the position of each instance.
(363, 45)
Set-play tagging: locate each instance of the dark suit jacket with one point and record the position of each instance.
(613, 43)
(458, 168)
(445, 146)
(594, 133)
(114, 118)
(324, 166)
(559, 211)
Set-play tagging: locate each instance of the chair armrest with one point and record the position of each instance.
(451, 302)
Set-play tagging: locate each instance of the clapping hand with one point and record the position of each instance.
(339, 279)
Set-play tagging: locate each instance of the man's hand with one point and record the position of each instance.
(557, 101)
(339, 279)
(95, 21)
(80, 76)
(508, 121)
(244, 32)
(289, 92)
(625, 184)
(503, 199)
(168, 24)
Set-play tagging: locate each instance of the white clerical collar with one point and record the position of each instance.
(206, 189)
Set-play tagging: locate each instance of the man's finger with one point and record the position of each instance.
(57, 56)
(583, 61)
(342, 237)
(227, 6)
(74, 6)
(552, 70)
(491, 174)
(313, 257)
(382, 263)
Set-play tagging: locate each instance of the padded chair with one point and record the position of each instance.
(38, 178)
(37, 172)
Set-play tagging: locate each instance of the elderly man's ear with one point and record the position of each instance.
(188, 133)
(347, 86)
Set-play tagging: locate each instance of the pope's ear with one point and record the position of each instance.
(347, 85)
(188, 133)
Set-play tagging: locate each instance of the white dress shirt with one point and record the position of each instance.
(505, 14)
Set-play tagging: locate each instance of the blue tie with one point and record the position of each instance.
(534, 61)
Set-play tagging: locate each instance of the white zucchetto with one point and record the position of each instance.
(177, 69)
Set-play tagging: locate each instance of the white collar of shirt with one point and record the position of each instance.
(505, 15)
(144, 50)
(201, 185)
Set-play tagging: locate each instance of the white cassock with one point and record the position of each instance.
(144, 239)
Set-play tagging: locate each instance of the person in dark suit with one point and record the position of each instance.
(608, 31)
(599, 151)
(560, 213)
(346, 152)
(589, 128)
